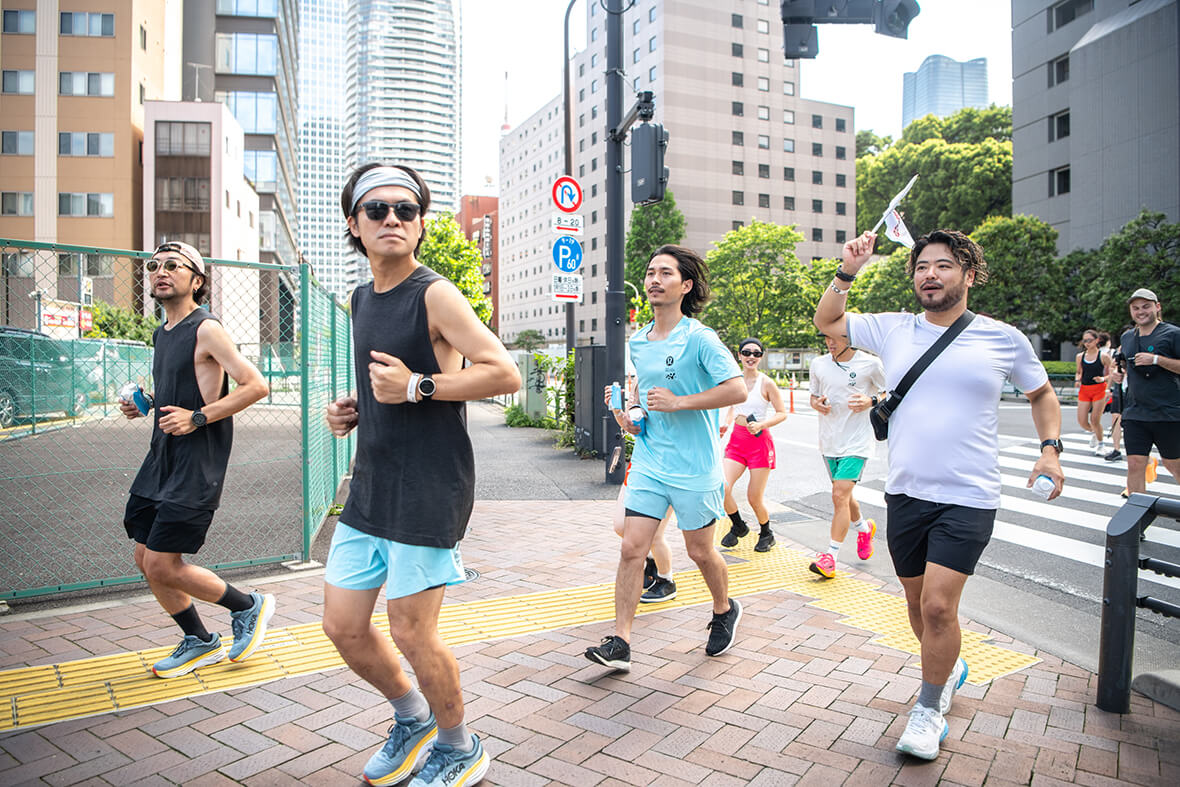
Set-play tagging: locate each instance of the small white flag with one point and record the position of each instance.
(893, 203)
(896, 230)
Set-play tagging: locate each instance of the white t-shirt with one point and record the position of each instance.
(943, 437)
(843, 432)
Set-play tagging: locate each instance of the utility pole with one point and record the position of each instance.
(616, 336)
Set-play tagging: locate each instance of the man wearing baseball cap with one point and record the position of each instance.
(1151, 406)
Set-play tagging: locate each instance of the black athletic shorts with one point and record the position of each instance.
(921, 532)
(1138, 437)
(1114, 405)
(166, 527)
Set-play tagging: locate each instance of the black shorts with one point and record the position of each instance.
(166, 527)
(1114, 405)
(1138, 437)
(921, 532)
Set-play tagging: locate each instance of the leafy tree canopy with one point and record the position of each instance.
(530, 339)
(1144, 253)
(883, 286)
(448, 252)
(116, 322)
(651, 227)
(869, 144)
(1024, 283)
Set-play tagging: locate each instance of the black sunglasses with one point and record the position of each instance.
(754, 353)
(168, 265)
(377, 210)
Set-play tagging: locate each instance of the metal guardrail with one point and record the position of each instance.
(1120, 584)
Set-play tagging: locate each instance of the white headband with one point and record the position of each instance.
(382, 176)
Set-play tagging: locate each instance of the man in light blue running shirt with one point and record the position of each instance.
(685, 375)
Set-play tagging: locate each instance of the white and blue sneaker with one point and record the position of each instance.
(404, 752)
(250, 626)
(448, 767)
(953, 684)
(923, 733)
(192, 652)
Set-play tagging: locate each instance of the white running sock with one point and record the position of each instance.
(860, 526)
(834, 549)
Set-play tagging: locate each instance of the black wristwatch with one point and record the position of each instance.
(874, 401)
(198, 418)
(426, 387)
(842, 276)
(1054, 443)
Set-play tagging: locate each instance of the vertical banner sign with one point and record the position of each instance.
(486, 236)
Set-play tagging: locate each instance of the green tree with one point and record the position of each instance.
(883, 286)
(869, 144)
(1024, 276)
(448, 252)
(921, 129)
(651, 226)
(971, 126)
(1144, 253)
(529, 339)
(760, 288)
(116, 322)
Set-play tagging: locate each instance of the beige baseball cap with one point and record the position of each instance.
(1144, 293)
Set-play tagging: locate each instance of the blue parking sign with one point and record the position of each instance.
(567, 254)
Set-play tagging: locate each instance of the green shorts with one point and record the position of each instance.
(845, 468)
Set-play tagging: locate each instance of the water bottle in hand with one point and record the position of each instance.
(1043, 486)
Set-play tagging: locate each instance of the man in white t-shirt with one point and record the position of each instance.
(944, 477)
(844, 385)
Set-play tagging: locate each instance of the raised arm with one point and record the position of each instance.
(829, 314)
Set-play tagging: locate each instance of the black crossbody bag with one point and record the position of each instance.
(879, 415)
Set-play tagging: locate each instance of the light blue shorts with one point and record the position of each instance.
(359, 561)
(694, 508)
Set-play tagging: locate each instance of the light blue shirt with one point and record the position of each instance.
(681, 449)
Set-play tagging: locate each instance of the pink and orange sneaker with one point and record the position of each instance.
(824, 565)
(864, 541)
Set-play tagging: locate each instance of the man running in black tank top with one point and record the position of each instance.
(178, 487)
(413, 484)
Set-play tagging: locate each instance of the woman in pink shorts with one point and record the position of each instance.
(750, 446)
(1093, 370)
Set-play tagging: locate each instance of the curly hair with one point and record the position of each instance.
(693, 268)
(346, 201)
(966, 252)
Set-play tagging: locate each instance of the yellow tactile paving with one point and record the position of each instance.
(33, 696)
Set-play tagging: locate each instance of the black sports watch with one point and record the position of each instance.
(1054, 443)
(426, 387)
(198, 418)
(842, 276)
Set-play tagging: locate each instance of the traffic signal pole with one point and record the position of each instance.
(616, 313)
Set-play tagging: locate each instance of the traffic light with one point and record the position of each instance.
(801, 38)
(894, 17)
(800, 41)
(649, 176)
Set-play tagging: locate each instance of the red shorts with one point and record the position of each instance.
(1095, 392)
(753, 451)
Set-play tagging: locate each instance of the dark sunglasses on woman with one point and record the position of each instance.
(754, 353)
(377, 210)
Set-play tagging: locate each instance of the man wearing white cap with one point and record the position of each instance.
(1151, 405)
(179, 485)
(413, 484)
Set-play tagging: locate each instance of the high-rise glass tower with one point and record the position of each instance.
(942, 86)
(322, 163)
(403, 95)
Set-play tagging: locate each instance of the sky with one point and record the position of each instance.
(855, 67)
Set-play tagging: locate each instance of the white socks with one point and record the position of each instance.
(834, 549)
(861, 526)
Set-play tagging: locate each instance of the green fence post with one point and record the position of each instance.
(33, 379)
(305, 401)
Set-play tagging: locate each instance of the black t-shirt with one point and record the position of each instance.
(1153, 393)
(414, 478)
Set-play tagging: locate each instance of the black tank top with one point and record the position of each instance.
(1091, 369)
(414, 479)
(187, 470)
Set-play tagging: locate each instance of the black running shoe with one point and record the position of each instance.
(649, 572)
(660, 590)
(1114, 456)
(614, 652)
(765, 542)
(730, 539)
(723, 629)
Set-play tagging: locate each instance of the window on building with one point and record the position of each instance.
(593, 247)
(841, 208)
(817, 177)
(635, 27)
(581, 69)
(817, 149)
(764, 171)
(763, 113)
(739, 168)
(817, 206)
(817, 121)
(593, 137)
(788, 145)
(841, 180)
(764, 84)
(581, 146)
(788, 173)
(1058, 181)
(183, 139)
(736, 108)
(142, 93)
(594, 164)
(739, 198)
(184, 194)
(582, 120)
(593, 189)
(651, 44)
(735, 20)
(594, 323)
(81, 143)
(764, 142)
(788, 203)
(763, 26)
(593, 86)
(16, 203)
(788, 88)
(82, 23)
(1062, 14)
(82, 204)
(841, 125)
(817, 235)
(593, 217)
(736, 79)
(1059, 126)
(764, 200)
(581, 326)
(841, 152)
(593, 112)
(20, 21)
(841, 236)
(16, 143)
(734, 49)
(594, 296)
(258, 113)
(267, 8)
(651, 14)
(18, 82)
(581, 170)
(635, 84)
(763, 55)
(651, 74)
(246, 53)
(1059, 70)
(594, 32)
(86, 83)
(143, 38)
(737, 225)
(738, 138)
(788, 117)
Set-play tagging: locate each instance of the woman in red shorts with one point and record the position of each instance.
(750, 447)
(1093, 370)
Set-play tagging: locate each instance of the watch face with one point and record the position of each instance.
(198, 418)
(426, 386)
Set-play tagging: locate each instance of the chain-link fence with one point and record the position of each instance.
(68, 456)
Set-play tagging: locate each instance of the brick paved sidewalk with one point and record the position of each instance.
(802, 698)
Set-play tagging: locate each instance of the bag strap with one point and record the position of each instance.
(933, 352)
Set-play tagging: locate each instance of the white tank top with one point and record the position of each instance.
(756, 403)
